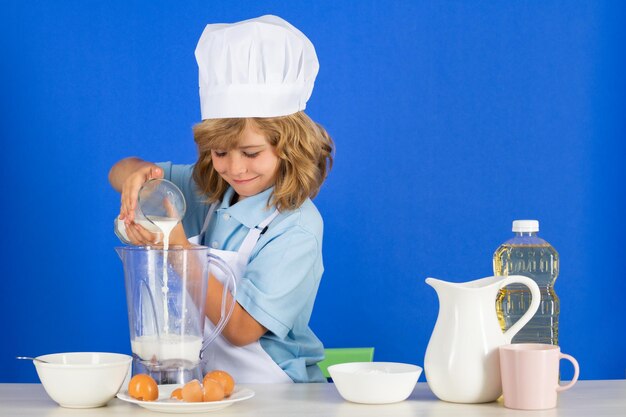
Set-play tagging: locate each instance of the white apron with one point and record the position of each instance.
(247, 364)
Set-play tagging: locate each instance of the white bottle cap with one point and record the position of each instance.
(525, 226)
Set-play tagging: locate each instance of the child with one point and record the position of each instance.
(261, 160)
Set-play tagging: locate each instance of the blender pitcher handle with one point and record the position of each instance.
(226, 310)
(532, 309)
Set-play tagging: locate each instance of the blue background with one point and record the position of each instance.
(451, 119)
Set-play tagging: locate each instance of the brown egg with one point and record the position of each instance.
(212, 390)
(177, 394)
(192, 392)
(143, 387)
(223, 378)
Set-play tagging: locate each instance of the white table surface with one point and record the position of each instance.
(585, 399)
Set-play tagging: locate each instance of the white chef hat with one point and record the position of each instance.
(262, 67)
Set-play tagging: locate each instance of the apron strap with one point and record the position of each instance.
(253, 236)
(207, 219)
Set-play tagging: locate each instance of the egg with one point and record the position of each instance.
(143, 387)
(223, 378)
(177, 394)
(212, 390)
(192, 392)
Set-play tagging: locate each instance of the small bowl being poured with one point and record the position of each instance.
(375, 382)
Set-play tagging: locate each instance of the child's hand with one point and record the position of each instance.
(130, 190)
(140, 236)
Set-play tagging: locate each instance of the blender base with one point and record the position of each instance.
(176, 372)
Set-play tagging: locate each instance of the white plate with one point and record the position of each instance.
(165, 405)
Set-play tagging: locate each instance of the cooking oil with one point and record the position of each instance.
(529, 255)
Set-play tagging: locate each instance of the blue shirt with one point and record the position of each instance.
(283, 274)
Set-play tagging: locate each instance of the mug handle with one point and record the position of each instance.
(532, 309)
(576, 372)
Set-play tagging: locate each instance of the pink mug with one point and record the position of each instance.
(530, 375)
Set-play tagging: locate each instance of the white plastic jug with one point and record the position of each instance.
(462, 359)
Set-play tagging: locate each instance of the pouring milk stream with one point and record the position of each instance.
(165, 225)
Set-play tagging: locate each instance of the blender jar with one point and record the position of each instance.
(166, 296)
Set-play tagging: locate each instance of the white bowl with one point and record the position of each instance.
(375, 382)
(83, 379)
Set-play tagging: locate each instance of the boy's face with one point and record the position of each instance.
(249, 168)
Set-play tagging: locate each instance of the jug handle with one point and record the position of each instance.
(532, 309)
(226, 311)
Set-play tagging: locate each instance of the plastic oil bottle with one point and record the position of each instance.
(529, 255)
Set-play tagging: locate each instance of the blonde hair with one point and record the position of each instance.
(303, 147)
